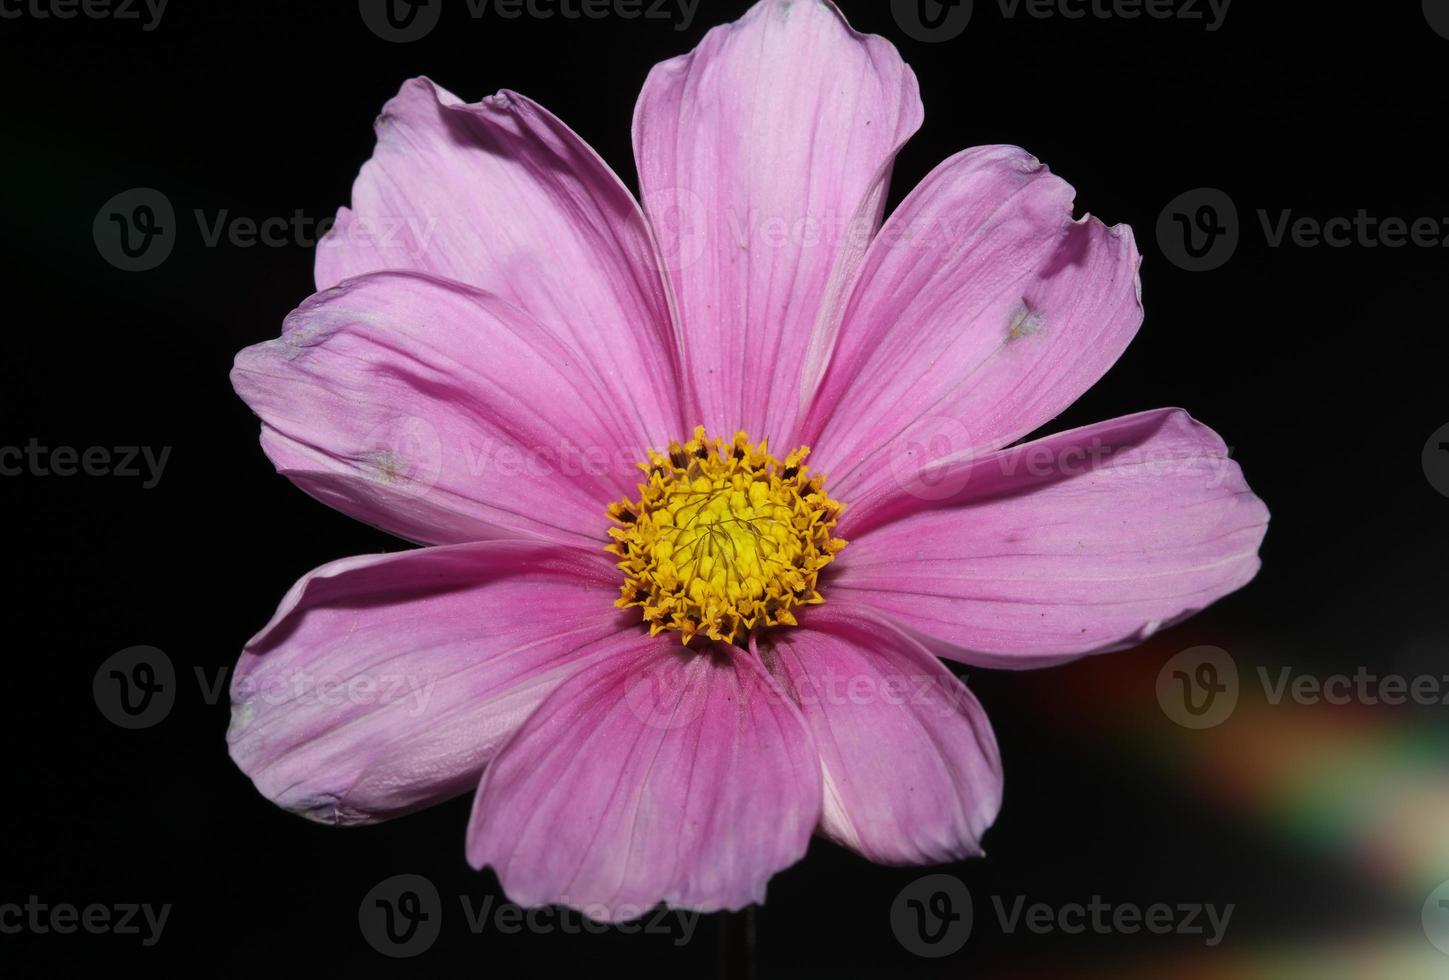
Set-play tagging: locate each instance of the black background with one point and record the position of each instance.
(1323, 369)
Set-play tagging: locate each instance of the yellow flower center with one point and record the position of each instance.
(724, 538)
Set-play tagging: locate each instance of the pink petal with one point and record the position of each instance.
(912, 772)
(763, 159)
(982, 311)
(386, 683)
(503, 196)
(440, 413)
(669, 776)
(1079, 543)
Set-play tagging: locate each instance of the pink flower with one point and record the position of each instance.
(500, 336)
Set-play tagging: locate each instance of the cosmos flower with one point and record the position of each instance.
(706, 487)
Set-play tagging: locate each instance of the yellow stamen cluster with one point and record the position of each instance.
(724, 539)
